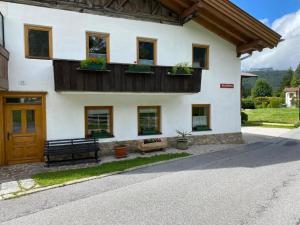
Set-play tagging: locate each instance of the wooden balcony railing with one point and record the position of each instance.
(67, 77)
(4, 56)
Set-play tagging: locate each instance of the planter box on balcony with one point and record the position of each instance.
(93, 70)
(68, 78)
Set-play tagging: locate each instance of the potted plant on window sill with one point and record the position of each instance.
(139, 69)
(120, 150)
(93, 64)
(181, 69)
(182, 140)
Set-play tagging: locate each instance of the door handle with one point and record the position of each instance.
(8, 135)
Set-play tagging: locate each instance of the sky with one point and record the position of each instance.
(283, 16)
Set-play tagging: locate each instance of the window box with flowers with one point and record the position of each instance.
(93, 64)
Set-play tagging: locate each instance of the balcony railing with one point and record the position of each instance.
(68, 77)
(4, 55)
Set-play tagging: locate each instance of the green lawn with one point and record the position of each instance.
(288, 116)
(60, 177)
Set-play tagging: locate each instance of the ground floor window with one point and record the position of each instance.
(201, 117)
(99, 121)
(148, 120)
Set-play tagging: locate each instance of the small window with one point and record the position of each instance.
(99, 122)
(201, 56)
(2, 42)
(97, 45)
(148, 120)
(23, 100)
(146, 52)
(38, 42)
(201, 117)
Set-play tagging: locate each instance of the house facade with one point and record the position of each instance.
(291, 96)
(47, 95)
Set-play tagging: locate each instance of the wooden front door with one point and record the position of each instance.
(23, 133)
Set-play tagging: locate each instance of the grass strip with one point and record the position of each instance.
(61, 177)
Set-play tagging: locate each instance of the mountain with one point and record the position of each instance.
(274, 77)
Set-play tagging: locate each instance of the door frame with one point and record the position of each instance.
(3, 95)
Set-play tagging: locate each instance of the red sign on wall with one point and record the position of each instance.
(226, 85)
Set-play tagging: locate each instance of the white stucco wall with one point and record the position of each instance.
(65, 112)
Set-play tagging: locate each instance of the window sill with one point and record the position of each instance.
(40, 58)
(150, 134)
(197, 131)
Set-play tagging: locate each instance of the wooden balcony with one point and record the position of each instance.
(4, 56)
(67, 77)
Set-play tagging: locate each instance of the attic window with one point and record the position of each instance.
(38, 42)
(201, 56)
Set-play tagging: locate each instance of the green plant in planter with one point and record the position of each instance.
(182, 140)
(182, 68)
(93, 64)
(139, 68)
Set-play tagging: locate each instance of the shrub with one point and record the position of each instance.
(93, 63)
(182, 68)
(276, 102)
(244, 117)
(262, 89)
(268, 102)
(248, 103)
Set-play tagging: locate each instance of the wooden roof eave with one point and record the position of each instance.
(231, 23)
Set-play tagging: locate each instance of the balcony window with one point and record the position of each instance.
(201, 117)
(146, 52)
(38, 42)
(201, 56)
(97, 45)
(149, 120)
(99, 122)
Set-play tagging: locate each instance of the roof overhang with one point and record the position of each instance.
(228, 21)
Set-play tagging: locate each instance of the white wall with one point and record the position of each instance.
(65, 112)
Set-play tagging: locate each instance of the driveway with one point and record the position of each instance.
(257, 183)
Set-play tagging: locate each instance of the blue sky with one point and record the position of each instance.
(283, 16)
(270, 9)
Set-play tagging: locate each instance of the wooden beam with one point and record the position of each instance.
(254, 45)
(192, 10)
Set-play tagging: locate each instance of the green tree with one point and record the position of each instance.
(295, 82)
(297, 72)
(262, 89)
(287, 78)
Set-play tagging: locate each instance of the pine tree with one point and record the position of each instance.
(262, 89)
(287, 78)
(297, 71)
(295, 82)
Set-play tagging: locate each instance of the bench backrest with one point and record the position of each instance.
(67, 144)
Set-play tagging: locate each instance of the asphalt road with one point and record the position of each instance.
(255, 184)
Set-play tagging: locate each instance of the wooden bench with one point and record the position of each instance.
(72, 147)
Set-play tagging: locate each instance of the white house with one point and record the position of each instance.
(291, 96)
(48, 96)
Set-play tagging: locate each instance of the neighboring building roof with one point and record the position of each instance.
(248, 75)
(291, 89)
(219, 16)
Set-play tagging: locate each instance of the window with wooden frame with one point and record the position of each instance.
(201, 56)
(97, 45)
(146, 51)
(149, 120)
(99, 121)
(38, 42)
(201, 117)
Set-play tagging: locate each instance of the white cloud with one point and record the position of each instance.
(287, 54)
(265, 21)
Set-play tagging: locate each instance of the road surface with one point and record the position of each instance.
(255, 184)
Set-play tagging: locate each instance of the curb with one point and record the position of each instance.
(36, 190)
